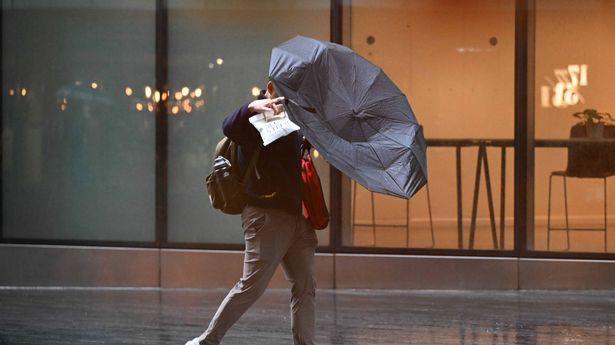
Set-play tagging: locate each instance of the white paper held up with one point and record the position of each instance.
(273, 127)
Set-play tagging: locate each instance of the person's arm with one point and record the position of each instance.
(238, 128)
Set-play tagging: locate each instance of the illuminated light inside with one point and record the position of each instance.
(192, 94)
(178, 95)
(175, 109)
(157, 96)
(94, 85)
(211, 65)
(198, 92)
(148, 92)
(128, 91)
(24, 92)
(186, 105)
(185, 91)
(255, 91)
(150, 107)
(63, 104)
(316, 154)
(469, 50)
(164, 96)
(139, 106)
(11, 92)
(219, 61)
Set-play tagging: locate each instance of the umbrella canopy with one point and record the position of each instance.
(352, 113)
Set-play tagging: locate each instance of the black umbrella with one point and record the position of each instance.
(352, 113)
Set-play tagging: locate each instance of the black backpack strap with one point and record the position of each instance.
(251, 165)
(305, 147)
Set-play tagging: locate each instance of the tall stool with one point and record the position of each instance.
(586, 160)
(374, 225)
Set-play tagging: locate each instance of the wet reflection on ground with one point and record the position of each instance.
(344, 317)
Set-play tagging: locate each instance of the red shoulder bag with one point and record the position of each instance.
(314, 206)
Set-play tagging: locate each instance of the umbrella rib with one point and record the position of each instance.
(339, 94)
(385, 135)
(363, 96)
(373, 83)
(380, 160)
(388, 173)
(367, 106)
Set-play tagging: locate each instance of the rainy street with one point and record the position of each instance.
(421, 317)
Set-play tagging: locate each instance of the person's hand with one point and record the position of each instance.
(266, 106)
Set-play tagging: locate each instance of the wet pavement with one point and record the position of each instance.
(152, 316)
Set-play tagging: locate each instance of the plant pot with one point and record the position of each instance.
(593, 158)
(595, 130)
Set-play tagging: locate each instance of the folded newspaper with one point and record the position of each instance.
(273, 127)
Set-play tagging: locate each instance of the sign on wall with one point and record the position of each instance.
(564, 91)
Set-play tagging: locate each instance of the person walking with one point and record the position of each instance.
(274, 228)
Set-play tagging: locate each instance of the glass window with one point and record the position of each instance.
(218, 59)
(77, 138)
(575, 136)
(455, 62)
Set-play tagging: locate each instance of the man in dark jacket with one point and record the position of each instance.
(274, 228)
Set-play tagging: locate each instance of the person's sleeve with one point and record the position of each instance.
(238, 128)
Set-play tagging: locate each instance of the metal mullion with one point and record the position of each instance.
(427, 251)
(572, 255)
(1, 126)
(335, 176)
(222, 246)
(161, 138)
(85, 243)
(204, 246)
(523, 199)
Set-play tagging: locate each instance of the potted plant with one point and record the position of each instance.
(594, 121)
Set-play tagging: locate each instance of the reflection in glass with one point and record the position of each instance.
(575, 138)
(78, 157)
(219, 59)
(454, 60)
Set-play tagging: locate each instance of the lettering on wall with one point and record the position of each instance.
(564, 90)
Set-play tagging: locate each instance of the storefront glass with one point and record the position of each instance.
(218, 60)
(573, 158)
(77, 138)
(79, 110)
(455, 62)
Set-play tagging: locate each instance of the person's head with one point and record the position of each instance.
(270, 92)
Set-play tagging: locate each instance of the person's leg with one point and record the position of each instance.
(249, 288)
(267, 235)
(298, 267)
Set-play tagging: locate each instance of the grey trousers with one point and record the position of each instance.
(272, 237)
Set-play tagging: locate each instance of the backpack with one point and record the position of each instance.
(224, 185)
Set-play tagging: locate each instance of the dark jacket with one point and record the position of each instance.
(279, 163)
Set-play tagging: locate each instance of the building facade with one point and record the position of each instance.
(111, 111)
